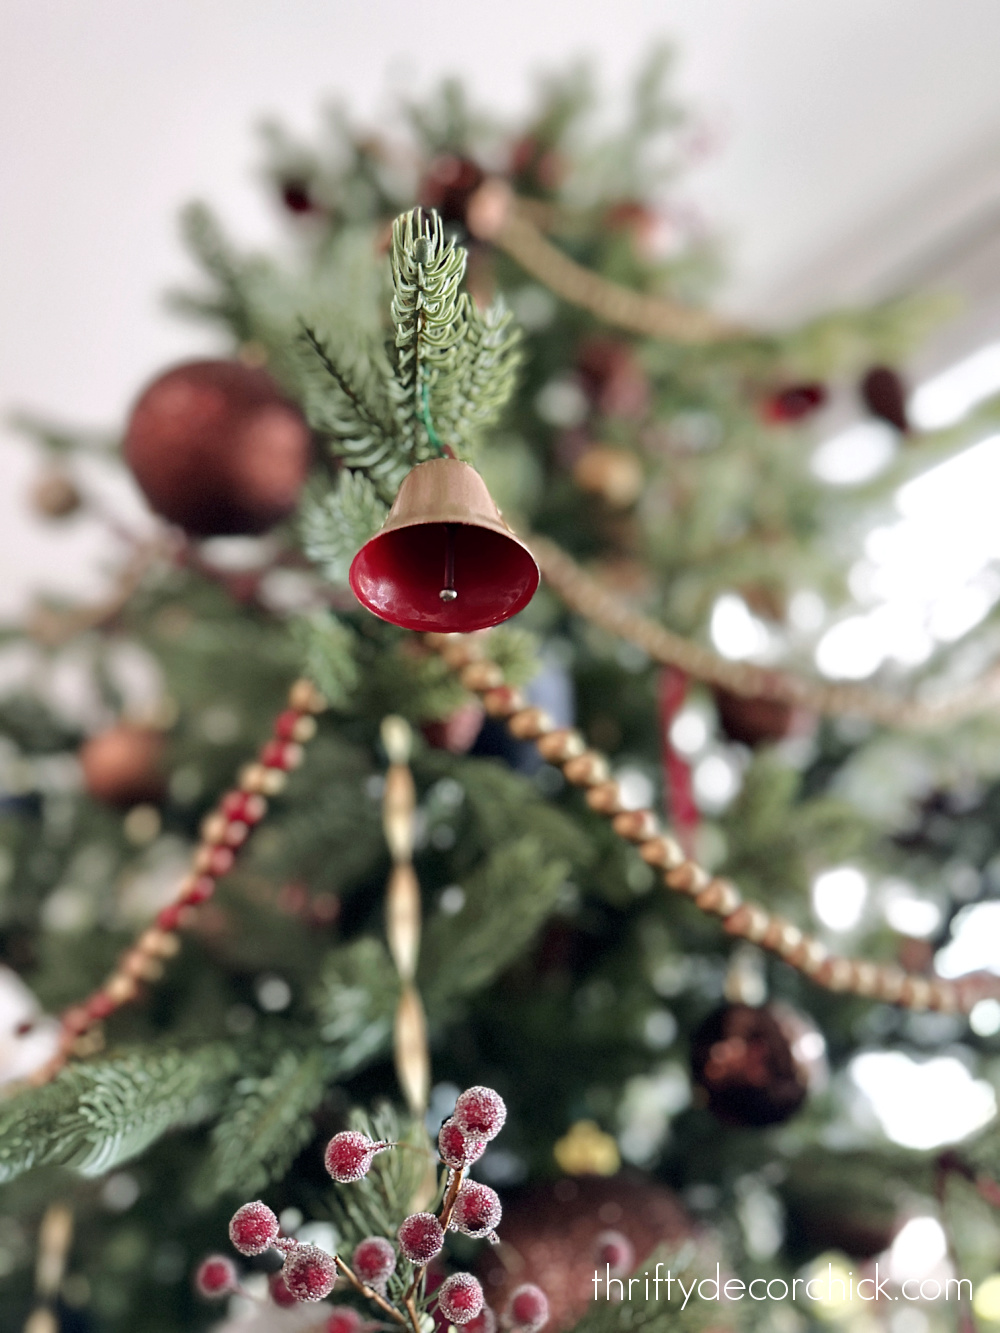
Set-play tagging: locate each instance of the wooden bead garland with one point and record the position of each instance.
(587, 768)
(223, 831)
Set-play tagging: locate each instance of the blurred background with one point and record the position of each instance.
(846, 149)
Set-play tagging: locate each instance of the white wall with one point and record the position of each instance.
(834, 122)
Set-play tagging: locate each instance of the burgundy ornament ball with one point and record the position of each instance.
(746, 1062)
(218, 449)
(551, 1233)
(122, 766)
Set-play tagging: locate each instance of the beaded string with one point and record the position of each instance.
(584, 767)
(223, 832)
(495, 214)
(584, 594)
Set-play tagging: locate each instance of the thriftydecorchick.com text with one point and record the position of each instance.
(825, 1288)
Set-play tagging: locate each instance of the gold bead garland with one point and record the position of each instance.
(584, 767)
(223, 832)
(585, 595)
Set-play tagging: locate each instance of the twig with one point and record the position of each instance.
(370, 1293)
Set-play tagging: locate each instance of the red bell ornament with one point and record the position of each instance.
(445, 560)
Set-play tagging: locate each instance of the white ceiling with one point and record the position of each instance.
(856, 148)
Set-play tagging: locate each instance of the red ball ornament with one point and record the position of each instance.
(793, 403)
(217, 448)
(349, 1155)
(457, 1148)
(444, 560)
(309, 1273)
(883, 392)
(746, 1060)
(460, 1298)
(528, 1308)
(481, 1112)
(254, 1228)
(421, 1237)
(216, 1277)
(374, 1261)
(121, 766)
(477, 1211)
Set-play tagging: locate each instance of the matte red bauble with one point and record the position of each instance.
(121, 766)
(218, 449)
(445, 560)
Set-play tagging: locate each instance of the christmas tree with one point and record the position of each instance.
(342, 869)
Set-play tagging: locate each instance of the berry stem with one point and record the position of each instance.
(370, 1294)
(444, 1216)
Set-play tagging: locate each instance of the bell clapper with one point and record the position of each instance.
(448, 593)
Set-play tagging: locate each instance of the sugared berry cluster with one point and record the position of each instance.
(309, 1273)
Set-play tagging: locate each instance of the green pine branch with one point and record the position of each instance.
(265, 1124)
(93, 1116)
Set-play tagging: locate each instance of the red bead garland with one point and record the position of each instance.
(223, 831)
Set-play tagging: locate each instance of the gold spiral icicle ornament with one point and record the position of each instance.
(402, 914)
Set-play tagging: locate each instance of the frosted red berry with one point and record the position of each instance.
(460, 1298)
(349, 1155)
(343, 1319)
(480, 1112)
(254, 1228)
(528, 1308)
(309, 1273)
(616, 1252)
(374, 1261)
(421, 1237)
(216, 1276)
(484, 1322)
(477, 1211)
(280, 1293)
(457, 1148)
